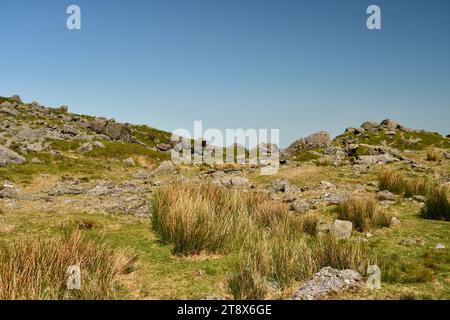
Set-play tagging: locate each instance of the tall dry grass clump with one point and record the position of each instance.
(281, 261)
(398, 183)
(37, 269)
(433, 155)
(274, 247)
(364, 213)
(437, 205)
(197, 218)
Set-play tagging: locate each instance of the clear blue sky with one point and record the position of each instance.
(300, 66)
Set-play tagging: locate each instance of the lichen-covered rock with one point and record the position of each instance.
(342, 229)
(7, 157)
(328, 281)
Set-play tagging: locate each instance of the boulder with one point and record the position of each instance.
(385, 195)
(317, 140)
(166, 167)
(163, 147)
(375, 159)
(70, 130)
(281, 185)
(9, 111)
(85, 147)
(395, 222)
(97, 125)
(118, 131)
(129, 161)
(342, 229)
(326, 185)
(7, 157)
(239, 181)
(300, 206)
(389, 124)
(16, 98)
(370, 126)
(328, 281)
(63, 189)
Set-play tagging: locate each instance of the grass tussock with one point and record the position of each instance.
(274, 248)
(364, 213)
(206, 218)
(398, 183)
(279, 262)
(37, 268)
(434, 156)
(437, 205)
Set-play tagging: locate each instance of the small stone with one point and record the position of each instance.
(300, 206)
(281, 185)
(342, 229)
(129, 161)
(385, 195)
(412, 242)
(239, 181)
(395, 222)
(419, 198)
(440, 246)
(326, 184)
(36, 161)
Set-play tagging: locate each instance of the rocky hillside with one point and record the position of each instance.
(61, 170)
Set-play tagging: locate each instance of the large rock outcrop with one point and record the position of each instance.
(7, 156)
(114, 130)
(316, 140)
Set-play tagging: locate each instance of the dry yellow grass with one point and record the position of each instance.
(37, 268)
(364, 213)
(398, 183)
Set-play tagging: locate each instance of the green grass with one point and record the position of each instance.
(437, 205)
(364, 213)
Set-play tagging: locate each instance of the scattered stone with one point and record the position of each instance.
(129, 161)
(412, 242)
(142, 175)
(385, 195)
(440, 246)
(375, 159)
(8, 157)
(328, 281)
(326, 185)
(419, 198)
(395, 222)
(37, 161)
(239, 181)
(281, 185)
(9, 111)
(85, 147)
(165, 168)
(163, 147)
(70, 130)
(447, 155)
(62, 189)
(342, 229)
(300, 206)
